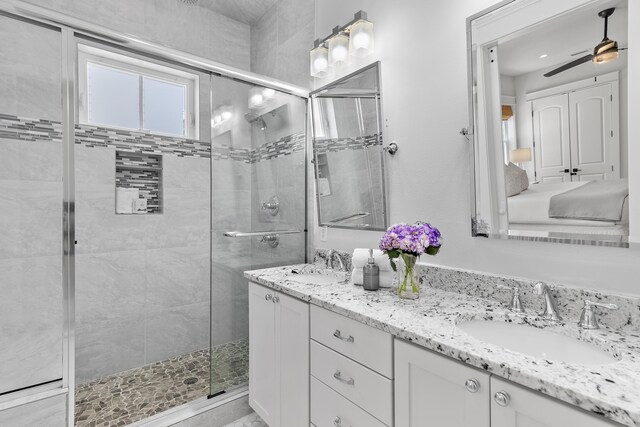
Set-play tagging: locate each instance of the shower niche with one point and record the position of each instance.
(138, 183)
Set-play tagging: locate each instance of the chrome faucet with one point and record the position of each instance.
(516, 304)
(588, 317)
(335, 254)
(550, 309)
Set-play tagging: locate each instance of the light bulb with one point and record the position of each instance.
(338, 49)
(361, 38)
(226, 113)
(268, 93)
(319, 60)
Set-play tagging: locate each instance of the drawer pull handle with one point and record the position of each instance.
(338, 376)
(338, 335)
(338, 423)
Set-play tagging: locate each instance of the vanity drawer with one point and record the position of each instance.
(329, 409)
(369, 346)
(364, 387)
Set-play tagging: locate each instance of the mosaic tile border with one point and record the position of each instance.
(330, 145)
(29, 130)
(41, 130)
(144, 172)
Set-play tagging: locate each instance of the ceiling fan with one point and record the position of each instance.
(605, 51)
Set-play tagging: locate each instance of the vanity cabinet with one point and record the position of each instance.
(433, 390)
(278, 357)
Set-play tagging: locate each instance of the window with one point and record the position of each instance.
(123, 92)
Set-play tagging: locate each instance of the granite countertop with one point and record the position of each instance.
(610, 390)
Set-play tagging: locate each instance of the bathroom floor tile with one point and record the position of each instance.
(251, 420)
(133, 395)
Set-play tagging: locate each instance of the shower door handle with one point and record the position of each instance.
(258, 233)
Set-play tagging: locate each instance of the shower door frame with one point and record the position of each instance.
(70, 28)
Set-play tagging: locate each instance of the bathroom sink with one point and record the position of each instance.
(318, 277)
(535, 342)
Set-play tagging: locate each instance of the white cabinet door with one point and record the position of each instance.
(595, 151)
(551, 138)
(292, 353)
(430, 390)
(263, 385)
(526, 408)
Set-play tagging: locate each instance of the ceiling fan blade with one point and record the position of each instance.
(569, 65)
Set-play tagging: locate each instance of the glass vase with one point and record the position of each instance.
(408, 284)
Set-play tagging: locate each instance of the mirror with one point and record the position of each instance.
(548, 97)
(348, 152)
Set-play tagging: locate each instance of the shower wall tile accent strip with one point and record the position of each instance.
(322, 146)
(29, 130)
(140, 142)
(37, 130)
(144, 172)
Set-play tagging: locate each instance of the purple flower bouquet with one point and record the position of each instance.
(408, 242)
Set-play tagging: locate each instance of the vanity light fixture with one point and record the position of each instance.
(256, 98)
(221, 114)
(353, 39)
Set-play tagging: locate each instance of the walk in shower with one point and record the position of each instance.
(135, 189)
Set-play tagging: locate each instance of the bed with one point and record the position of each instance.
(529, 210)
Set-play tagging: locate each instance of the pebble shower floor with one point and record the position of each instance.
(130, 396)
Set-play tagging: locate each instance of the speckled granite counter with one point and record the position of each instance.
(611, 390)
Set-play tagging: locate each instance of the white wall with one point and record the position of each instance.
(425, 105)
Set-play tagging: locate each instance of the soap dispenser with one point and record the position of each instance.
(371, 274)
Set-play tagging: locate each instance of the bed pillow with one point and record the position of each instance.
(512, 181)
(522, 174)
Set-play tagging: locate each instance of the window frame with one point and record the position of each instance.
(141, 68)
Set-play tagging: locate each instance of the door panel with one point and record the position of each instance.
(594, 148)
(430, 390)
(292, 340)
(263, 384)
(551, 137)
(527, 408)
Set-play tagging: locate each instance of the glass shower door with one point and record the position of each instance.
(31, 208)
(257, 189)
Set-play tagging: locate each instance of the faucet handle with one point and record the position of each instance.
(588, 317)
(516, 304)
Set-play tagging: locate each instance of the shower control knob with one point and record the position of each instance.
(268, 297)
(502, 398)
(472, 385)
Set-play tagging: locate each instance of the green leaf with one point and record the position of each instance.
(432, 250)
(392, 254)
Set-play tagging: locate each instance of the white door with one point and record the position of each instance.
(431, 390)
(292, 354)
(264, 389)
(526, 408)
(551, 138)
(595, 151)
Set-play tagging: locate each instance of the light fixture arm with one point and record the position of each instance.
(361, 14)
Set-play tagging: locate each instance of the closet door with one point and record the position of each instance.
(595, 151)
(551, 138)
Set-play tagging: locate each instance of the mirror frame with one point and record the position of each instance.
(479, 227)
(315, 94)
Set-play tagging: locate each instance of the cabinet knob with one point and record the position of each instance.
(276, 299)
(502, 398)
(338, 423)
(472, 385)
(268, 297)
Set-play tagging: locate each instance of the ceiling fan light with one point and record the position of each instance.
(606, 51)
